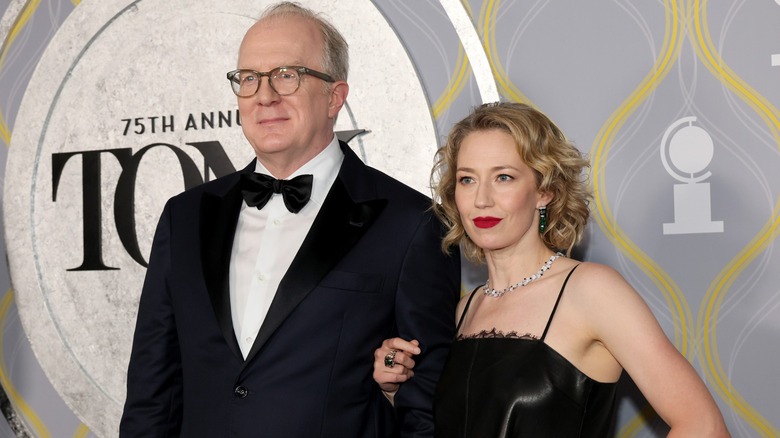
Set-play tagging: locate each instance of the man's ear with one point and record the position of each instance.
(338, 95)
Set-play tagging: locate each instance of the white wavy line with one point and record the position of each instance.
(731, 14)
(521, 27)
(440, 49)
(639, 19)
(719, 135)
(472, 45)
(657, 302)
(55, 318)
(737, 106)
(25, 62)
(759, 316)
(735, 296)
(752, 324)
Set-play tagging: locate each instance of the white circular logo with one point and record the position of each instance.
(128, 106)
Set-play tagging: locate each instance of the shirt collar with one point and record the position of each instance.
(324, 167)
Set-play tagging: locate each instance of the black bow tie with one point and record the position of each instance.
(258, 189)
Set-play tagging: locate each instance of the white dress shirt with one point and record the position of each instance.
(267, 240)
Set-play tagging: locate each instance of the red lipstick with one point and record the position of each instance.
(486, 221)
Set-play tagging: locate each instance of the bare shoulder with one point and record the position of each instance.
(605, 300)
(594, 277)
(598, 285)
(462, 305)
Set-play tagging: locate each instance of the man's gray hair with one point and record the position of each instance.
(335, 59)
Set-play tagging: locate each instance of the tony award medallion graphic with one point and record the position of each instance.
(690, 150)
(98, 149)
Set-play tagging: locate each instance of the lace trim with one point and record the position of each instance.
(493, 333)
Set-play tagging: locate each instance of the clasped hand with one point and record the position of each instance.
(394, 364)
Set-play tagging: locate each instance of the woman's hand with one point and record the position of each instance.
(393, 364)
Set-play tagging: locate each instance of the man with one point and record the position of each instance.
(261, 320)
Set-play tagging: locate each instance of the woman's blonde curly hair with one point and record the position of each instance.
(556, 162)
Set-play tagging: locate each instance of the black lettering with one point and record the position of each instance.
(207, 119)
(191, 123)
(91, 200)
(214, 158)
(153, 119)
(139, 125)
(225, 119)
(124, 197)
(167, 125)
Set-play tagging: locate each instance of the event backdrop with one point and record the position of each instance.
(108, 107)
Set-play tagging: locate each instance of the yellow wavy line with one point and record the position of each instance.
(18, 402)
(639, 420)
(5, 131)
(488, 17)
(455, 86)
(707, 323)
(81, 432)
(718, 67)
(676, 301)
(27, 11)
(671, 47)
(458, 81)
(708, 313)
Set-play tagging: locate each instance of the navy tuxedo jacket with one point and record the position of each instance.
(370, 268)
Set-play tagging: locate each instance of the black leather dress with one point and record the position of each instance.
(498, 386)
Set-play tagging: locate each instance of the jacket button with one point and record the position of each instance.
(240, 392)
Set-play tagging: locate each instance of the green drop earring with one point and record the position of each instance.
(542, 219)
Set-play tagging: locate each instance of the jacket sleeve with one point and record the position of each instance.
(154, 385)
(428, 291)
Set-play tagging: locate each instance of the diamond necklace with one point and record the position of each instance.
(487, 290)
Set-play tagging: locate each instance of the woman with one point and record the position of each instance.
(541, 345)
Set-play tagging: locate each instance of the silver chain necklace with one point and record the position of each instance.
(497, 293)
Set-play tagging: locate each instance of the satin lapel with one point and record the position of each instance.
(218, 220)
(338, 226)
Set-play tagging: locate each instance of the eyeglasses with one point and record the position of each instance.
(283, 80)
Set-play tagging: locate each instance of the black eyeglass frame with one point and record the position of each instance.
(231, 76)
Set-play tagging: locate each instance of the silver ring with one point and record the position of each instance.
(390, 358)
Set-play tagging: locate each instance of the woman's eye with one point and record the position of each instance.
(465, 180)
(504, 177)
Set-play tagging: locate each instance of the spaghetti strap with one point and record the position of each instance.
(466, 309)
(560, 294)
